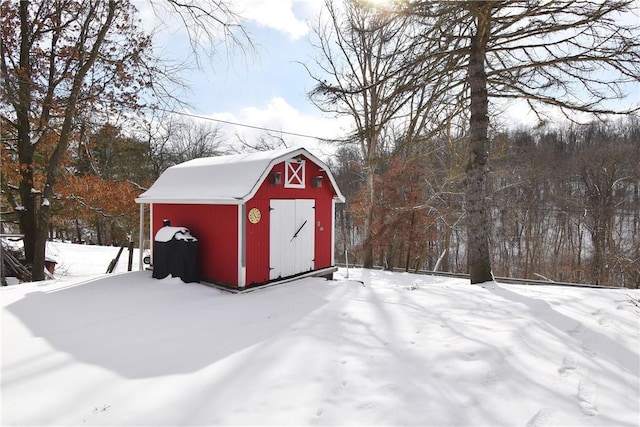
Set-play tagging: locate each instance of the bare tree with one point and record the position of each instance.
(370, 72)
(565, 203)
(573, 55)
(208, 24)
(190, 139)
(212, 27)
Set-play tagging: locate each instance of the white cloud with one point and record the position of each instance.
(279, 116)
(279, 15)
(517, 113)
(276, 14)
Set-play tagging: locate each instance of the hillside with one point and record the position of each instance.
(378, 348)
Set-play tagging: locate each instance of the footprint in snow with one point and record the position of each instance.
(569, 363)
(542, 418)
(605, 321)
(587, 391)
(492, 379)
(588, 351)
(317, 418)
(575, 331)
(603, 317)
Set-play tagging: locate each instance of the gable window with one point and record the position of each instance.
(294, 173)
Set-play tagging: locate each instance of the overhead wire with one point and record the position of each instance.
(228, 122)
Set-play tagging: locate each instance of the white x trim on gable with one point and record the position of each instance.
(294, 173)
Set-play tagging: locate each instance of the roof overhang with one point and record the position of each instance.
(222, 200)
(190, 201)
(203, 201)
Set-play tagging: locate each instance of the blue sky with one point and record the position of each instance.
(270, 70)
(267, 87)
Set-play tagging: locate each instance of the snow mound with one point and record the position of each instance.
(168, 233)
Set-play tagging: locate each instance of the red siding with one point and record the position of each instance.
(257, 246)
(323, 225)
(258, 234)
(216, 228)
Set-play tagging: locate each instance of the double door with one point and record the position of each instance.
(292, 237)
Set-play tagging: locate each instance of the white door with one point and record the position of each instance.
(292, 240)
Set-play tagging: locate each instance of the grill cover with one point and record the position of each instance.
(175, 252)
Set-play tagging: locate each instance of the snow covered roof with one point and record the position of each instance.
(231, 179)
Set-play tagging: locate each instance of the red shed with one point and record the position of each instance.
(258, 217)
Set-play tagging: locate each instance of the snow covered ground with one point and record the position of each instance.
(379, 348)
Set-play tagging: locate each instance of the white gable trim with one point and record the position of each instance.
(339, 197)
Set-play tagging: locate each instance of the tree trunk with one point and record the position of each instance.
(42, 231)
(478, 260)
(99, 227)
(42, 211)
(78, 231)
(444, 263)
(368, 220)
(410, 242)
(25, 147)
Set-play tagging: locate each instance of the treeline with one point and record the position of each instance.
(564, 200)
(104, 171)
(564, 204)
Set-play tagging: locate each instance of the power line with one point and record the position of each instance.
(302, 135)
